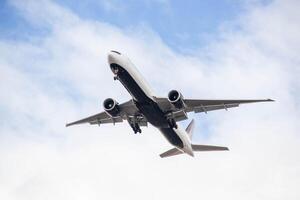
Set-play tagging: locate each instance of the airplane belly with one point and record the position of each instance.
(136, 88)
(147, 106)
(144, 103)
(172, 137)
(153, 114)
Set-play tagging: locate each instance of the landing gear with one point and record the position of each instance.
(136, 128)
(172, 123)
(116, 78)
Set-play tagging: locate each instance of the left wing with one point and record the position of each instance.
(200, 105)
(128, 111)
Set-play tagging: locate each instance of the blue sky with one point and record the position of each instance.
(53, 70)
(183, 25)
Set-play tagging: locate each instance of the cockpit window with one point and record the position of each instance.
(116, 52)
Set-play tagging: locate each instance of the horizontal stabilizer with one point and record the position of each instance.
(171, 152)
(199, 147)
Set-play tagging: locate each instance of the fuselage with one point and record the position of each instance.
(144, 98)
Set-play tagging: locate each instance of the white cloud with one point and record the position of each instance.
(65, 76)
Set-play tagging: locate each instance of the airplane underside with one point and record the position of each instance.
(147, 107)
(162, 112)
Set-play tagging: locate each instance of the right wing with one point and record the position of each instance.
(100, 118)
(128, 111)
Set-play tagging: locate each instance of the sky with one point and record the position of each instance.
(53, 70)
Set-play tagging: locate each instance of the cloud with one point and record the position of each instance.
(64, 76)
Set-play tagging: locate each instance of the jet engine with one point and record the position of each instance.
(176, 99)
(111, 106)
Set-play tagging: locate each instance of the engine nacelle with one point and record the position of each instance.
(111, 107)
(176, 99)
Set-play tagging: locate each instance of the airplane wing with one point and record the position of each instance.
(197, 105)
(201, 105)
(128, 111)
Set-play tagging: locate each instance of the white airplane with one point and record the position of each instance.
(163, 113)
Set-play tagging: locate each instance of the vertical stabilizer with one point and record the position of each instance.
(190, 128)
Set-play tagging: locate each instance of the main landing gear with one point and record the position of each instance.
(133, 122)
(172, 123)
(136, 128)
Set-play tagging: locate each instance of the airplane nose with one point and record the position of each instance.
(112, 57)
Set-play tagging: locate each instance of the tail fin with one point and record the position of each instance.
(173, 152)
(190, 128)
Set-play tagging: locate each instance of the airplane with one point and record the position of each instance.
(162, 112)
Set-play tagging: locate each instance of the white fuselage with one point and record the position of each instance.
(142, 93)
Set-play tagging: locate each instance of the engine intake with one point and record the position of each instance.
(111, 107)
(176, 99)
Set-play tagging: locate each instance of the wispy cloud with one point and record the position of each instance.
(64, 76)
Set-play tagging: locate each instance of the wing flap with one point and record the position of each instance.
(107, 121)
(178, 115)
(198, 105)
(211, 102)
(213, 107)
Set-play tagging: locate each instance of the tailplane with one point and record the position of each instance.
(195, 147)
(199, 147)
(171, 152)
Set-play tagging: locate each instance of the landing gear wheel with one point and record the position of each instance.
(136, 128)
(139, 130)
(115, 78)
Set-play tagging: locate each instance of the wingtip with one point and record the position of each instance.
(270, 99)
